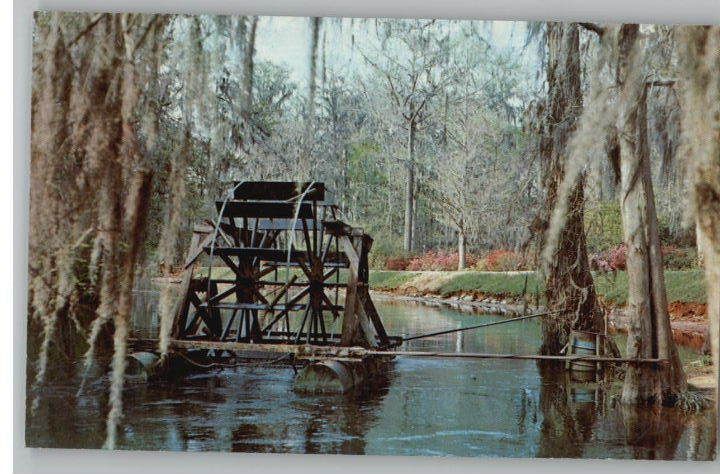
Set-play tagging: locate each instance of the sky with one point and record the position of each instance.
(286, 41)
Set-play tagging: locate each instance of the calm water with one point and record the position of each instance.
(448, 407)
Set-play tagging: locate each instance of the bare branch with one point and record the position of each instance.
(87, 29)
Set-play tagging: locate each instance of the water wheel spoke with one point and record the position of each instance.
(330, 274)
(221, 296)
(326, 249)
(302, 325)
(265, 271)
(228, 261)
(203, 314)
(289, 305)
(226, 331)
(306, 271)
(283, 291)
(331, 306)
(260, 296)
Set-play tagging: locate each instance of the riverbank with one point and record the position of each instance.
(516, 293)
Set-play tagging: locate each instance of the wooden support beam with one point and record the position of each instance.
(352, 328)
(182, 307)
(309, 351)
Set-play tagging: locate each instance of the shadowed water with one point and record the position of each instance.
(443, 407)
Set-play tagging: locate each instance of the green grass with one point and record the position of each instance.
(686, 285)
(496, 283)
(682, 285)
(389, 279)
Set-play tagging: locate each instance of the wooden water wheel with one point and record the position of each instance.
(278, 267)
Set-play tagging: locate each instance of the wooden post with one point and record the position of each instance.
(201, 233)
(352, 246)
(361, 323)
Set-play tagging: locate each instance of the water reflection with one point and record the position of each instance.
(420, 407)
(570, 411)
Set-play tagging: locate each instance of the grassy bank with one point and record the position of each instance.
(682, 285)
(686, 286)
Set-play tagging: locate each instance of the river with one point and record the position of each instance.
(427, 407)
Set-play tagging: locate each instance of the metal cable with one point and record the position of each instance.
(495, 323)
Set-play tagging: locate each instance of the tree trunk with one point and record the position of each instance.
(345, 180)
(312, 80)
(461, 248)
(409, 190)
(701, 130)
(568, 281)
(248, 73)
(649, 333)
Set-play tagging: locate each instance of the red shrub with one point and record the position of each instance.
(618, 257)
(610, 260)
(397, 263)
(437, 260)
(503, 260)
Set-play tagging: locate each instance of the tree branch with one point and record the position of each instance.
(87, 29)
(597, 29)
(149, 26)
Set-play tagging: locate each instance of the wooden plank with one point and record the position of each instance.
(196, 249)
(300, 350)
(270, 209)
(278, 190)
(264, 254)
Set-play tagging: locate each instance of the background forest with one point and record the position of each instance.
(423, 130)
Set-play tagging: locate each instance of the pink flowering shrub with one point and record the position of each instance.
(610, 260)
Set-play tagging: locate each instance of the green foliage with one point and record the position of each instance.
(680, 259)
(612, 287)
(603, 226)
